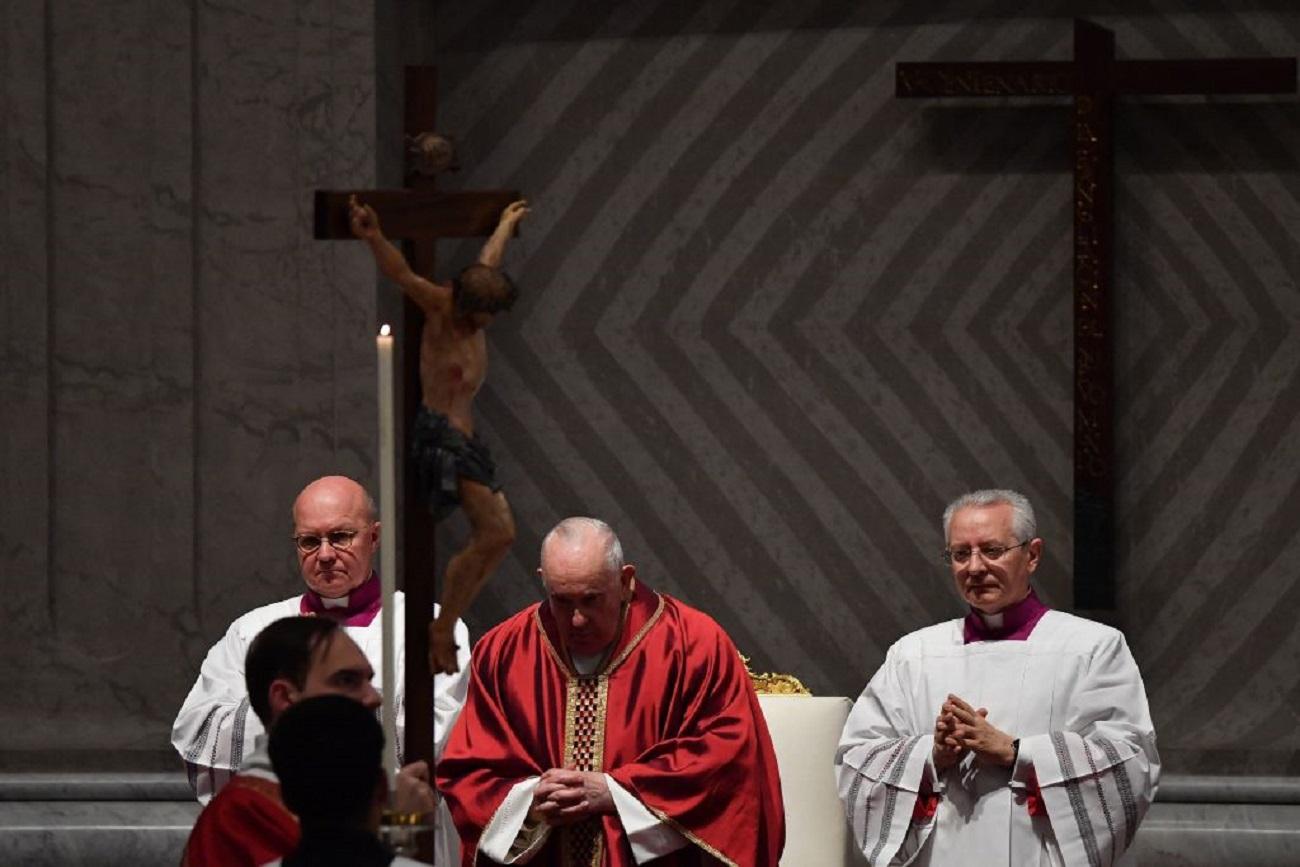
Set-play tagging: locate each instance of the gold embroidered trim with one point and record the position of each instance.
(689, 836)
(570, 719)
(585, 712)
(636, 639)
(576, 686)
(602, 708)
(546, 640)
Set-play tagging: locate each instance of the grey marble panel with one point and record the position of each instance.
(24, 324)
(121, 373)
(207, 356)
(286, 339)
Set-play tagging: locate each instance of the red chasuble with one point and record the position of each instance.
(671, 715)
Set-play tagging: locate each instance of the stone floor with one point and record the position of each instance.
(144, 819)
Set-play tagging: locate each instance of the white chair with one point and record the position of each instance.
(805, 731)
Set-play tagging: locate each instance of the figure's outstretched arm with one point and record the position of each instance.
(495, 247)
(432, 298)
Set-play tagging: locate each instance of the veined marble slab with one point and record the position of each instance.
(1218, 835)
(95, 834)
(95, 787)
(1190, 789)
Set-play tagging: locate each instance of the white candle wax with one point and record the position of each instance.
(388, 544)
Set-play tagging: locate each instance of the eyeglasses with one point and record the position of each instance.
(988, 552)
(339, 539)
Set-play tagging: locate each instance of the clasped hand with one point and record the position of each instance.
(564, 796)
(960, 728)
(411, 790)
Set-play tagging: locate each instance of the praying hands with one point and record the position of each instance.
(565, 796)
(960, 728)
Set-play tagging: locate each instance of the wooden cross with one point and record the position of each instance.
(1094, 78)
(418, 215)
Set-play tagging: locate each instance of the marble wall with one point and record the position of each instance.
(179, 356)
(772, 319)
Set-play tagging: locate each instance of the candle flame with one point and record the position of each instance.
(384, 330)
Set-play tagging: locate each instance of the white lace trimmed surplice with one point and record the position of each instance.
(1073, 696)
(216, 728)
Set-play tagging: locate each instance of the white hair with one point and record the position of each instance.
(1023, 525)
(570, 529)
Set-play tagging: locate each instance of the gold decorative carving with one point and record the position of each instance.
(771, 683)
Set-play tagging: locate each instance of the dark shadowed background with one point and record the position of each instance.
(773, 320)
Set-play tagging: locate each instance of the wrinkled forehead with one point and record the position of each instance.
(329, 509)
(576, 570)
(979, 524)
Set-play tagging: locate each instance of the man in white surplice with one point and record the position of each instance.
(336, 535)
(1018, 735)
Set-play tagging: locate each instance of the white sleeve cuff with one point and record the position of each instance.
(505, 839)
(1022, 769)
(649, 836)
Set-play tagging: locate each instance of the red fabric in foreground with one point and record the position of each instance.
(245, 824)
(684, 734)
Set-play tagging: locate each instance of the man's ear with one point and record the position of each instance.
(280, 695)
(626, 577)
(1035, 552)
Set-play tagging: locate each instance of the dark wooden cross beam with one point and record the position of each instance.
(1094, 78)
(417, 215)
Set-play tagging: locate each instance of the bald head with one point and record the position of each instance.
(334, 520)
(339, 491)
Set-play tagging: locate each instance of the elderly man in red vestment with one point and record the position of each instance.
(608, 726)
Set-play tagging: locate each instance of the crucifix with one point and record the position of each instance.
(418, 215)
(1094, 78)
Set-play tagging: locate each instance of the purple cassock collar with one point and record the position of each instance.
(358, 608)
(1013, 623)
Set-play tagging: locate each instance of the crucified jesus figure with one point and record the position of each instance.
(452, 463)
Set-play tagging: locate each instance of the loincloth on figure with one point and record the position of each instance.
(441, 454)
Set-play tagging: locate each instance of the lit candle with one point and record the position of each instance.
(388, 544)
